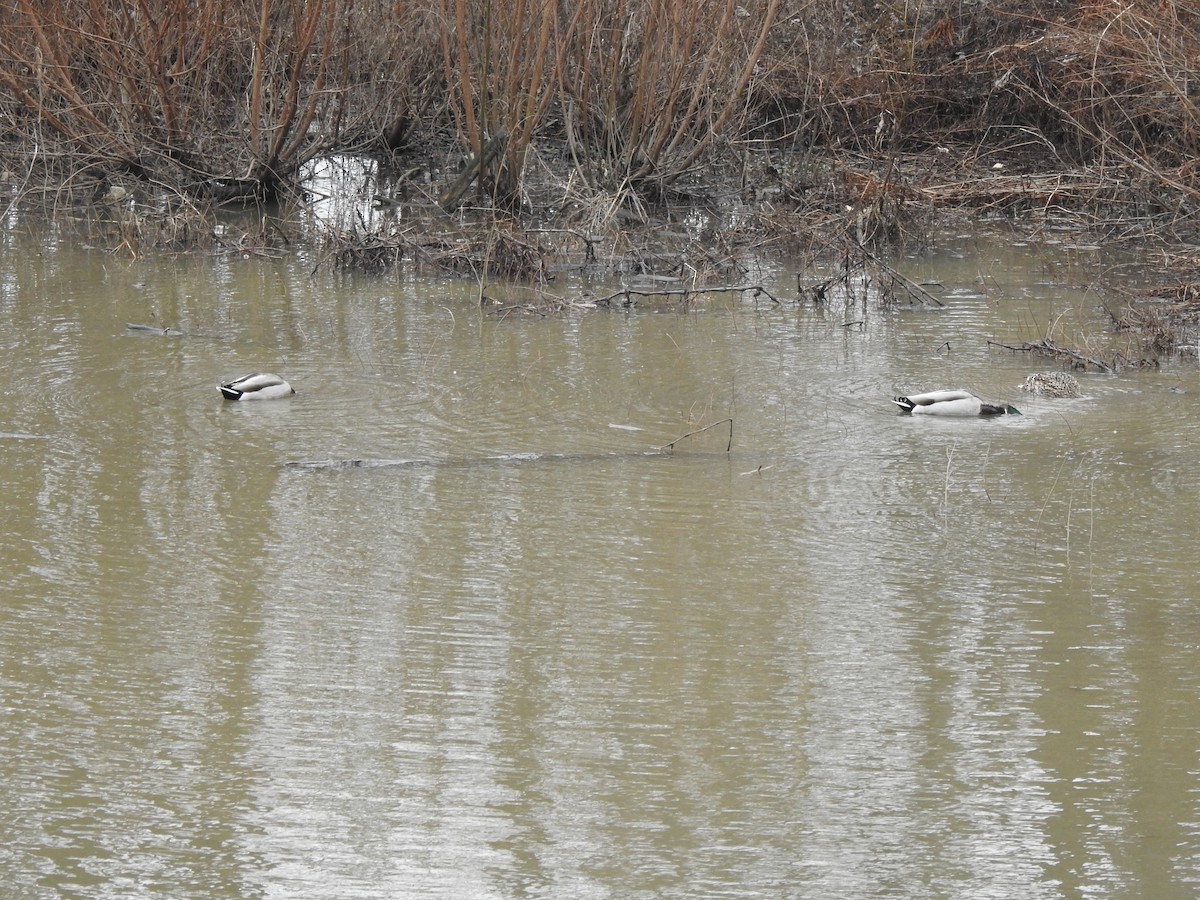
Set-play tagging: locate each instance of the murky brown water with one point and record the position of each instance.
(902, 658)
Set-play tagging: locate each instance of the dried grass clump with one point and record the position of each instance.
(494, 252)
(361, 251)
(1119, 81)
(119, 221)
(507, 255)
(1080, 79)
(1166, 321)
(1083, 110)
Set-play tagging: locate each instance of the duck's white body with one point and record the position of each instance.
(952, 403)
(259, 386)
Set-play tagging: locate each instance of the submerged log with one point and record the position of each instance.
(509, 459)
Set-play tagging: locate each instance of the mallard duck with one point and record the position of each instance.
(952, 403)
(1052, 384)
(259, 386)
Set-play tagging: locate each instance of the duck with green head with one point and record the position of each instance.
(957, 403)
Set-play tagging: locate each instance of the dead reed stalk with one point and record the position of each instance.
(647, 87)
(497, 58)
(642, 87)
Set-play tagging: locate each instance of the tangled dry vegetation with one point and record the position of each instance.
(559, 130)
(1166, 320)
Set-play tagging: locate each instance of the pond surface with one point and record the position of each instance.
(860, 655)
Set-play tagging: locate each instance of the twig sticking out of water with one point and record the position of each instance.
(758, 471)
(919, 291)
(1049, 348)
(728, 447)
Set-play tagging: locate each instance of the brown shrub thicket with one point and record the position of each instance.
(229, 99)
(221, 98)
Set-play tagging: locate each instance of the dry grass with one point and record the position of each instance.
(221, 99)
(638, 88)
(803, 108)
(1166, 320)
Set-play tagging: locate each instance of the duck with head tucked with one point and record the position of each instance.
(1052, 384)
(952, 403)
(259, 386)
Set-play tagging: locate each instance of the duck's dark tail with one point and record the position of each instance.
(230, 393)
(904, 403)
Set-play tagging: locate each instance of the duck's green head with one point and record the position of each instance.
(1011, 410)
